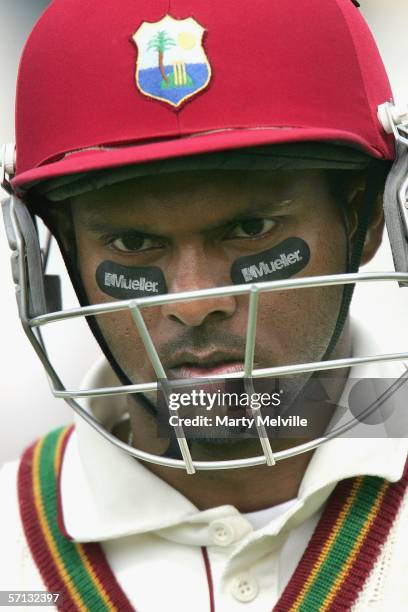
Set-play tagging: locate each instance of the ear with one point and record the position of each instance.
(375, 228)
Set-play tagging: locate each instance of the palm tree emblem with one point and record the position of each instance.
(171, 65)
(161, 42)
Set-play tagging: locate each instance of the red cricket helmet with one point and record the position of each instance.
(117, 83)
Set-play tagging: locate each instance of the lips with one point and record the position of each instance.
(205, 369)
(194, 364)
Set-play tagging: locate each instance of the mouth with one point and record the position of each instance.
(206, 371)
(205, 366)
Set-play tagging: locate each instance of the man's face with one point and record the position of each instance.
(194, 226)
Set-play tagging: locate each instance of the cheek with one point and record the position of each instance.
(296, 326)
(328, 248)
(122, 337)
(118, 328)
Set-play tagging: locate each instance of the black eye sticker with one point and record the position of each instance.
(125, 283)
(282, 261)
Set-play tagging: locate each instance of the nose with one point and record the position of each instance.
(192, 272)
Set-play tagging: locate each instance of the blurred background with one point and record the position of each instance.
(27, 408)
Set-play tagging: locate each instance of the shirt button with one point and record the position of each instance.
(244, 588)
(221, 533)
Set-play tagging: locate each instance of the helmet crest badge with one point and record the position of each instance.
(172, 65)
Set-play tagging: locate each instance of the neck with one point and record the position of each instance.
(248, 489)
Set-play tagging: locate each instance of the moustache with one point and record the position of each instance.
(197, 340)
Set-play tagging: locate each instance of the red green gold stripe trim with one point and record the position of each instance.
(79, 571)
(370, 548)
(345, 546)
(58, 468)
(34, 534)
(351, 557)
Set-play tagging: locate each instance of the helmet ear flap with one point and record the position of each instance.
(43, 291)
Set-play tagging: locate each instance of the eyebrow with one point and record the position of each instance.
(92, 220)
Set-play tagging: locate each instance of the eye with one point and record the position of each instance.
(133, 243)
(251, 228)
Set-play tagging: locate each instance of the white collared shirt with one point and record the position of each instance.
(152, 535)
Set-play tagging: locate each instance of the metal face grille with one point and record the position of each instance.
(32, 328)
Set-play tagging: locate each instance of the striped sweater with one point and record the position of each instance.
(345, 561)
